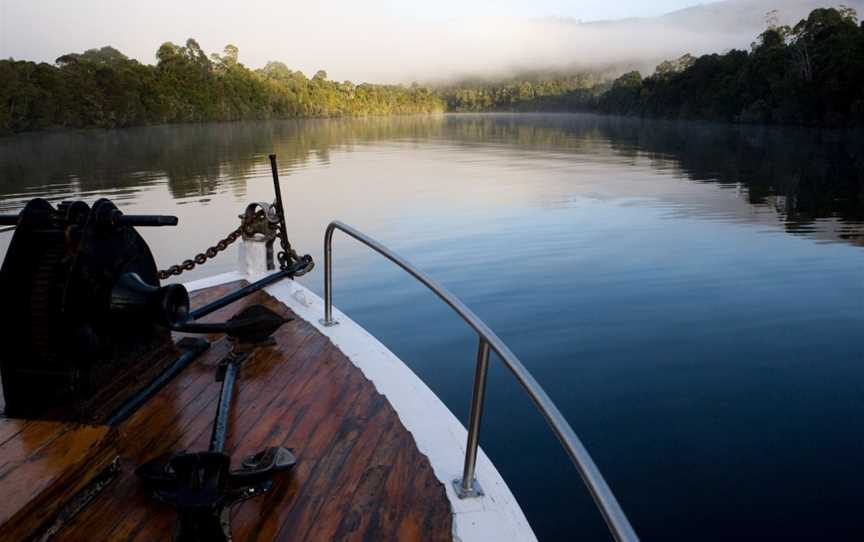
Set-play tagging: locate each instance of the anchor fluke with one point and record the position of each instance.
(202, 488)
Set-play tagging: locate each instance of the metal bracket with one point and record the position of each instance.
(325, 323)
(475, 491)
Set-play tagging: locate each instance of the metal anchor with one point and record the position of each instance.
(201, 485)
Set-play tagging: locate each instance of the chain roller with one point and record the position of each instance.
(259, 218)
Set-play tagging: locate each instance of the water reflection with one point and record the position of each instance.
(813, 181)
(805, 176)
(666, 283)
(195, 160)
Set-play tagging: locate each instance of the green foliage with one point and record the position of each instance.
(810, 74)
(527, 92)
(104, 88)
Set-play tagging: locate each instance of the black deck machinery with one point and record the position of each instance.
(84, 308)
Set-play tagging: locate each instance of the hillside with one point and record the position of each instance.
(810, 73)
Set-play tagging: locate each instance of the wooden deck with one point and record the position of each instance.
(359, 475)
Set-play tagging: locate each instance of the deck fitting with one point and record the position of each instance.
(475, 491)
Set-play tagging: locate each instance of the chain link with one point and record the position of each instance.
(284, 255)
(201, 257)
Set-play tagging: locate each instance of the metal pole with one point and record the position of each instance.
(223, 411)
(217, 304)
(328, 278)
(469, 486)
(280, 210)
(191, 348)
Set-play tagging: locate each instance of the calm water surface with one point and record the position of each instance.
(691, 296)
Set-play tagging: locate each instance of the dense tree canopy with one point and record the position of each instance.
(526, 92)
(104, 88)
(810, 74)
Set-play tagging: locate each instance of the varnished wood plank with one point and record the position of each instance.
(48, 463)
(337, 506)
(339, 439)
(359, 474)
(125, 383)
(303, 429)
(178, 418)
(194, 437)
(16, 451)
(368, 506)
(9, 428)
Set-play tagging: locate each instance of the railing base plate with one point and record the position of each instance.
(475, 491)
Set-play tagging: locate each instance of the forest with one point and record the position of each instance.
(809, 74)
(104, 88)
(539, 91)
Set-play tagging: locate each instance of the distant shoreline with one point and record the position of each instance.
(853, 131)
(810, 75)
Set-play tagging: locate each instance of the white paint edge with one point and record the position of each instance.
(215, 280)
(437, 433)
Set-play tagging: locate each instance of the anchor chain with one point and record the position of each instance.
(201, 257)
(289, 259)
(287, 254)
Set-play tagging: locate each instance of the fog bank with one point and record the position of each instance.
(350, 42)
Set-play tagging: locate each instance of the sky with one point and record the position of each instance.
(586, 10)
(383, 40)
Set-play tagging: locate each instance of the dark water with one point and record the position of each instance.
(691, 296)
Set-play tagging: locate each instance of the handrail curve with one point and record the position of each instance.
(605, 500)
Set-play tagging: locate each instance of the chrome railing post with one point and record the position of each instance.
(328, 277)
(468, 486)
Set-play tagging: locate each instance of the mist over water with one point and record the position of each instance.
(394, 42)
(690, 295)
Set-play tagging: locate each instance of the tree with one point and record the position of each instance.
(167, 53)
(102, 87)
(810, 74)
(232, 53)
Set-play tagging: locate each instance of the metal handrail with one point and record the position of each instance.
(608, 505)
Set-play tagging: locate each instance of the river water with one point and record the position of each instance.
(690, 295)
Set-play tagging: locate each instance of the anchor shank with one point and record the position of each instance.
(223, 410)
